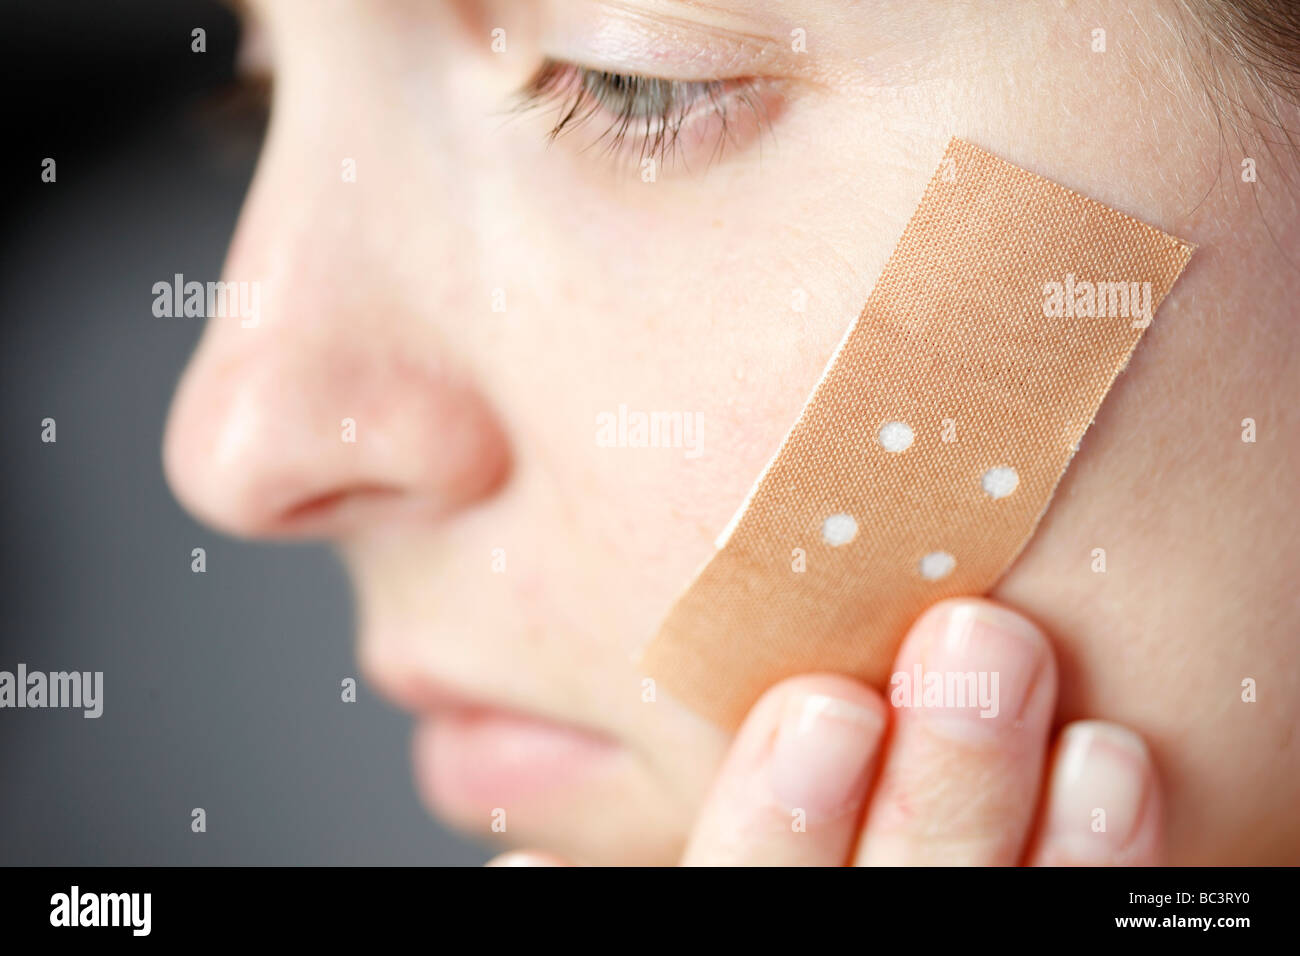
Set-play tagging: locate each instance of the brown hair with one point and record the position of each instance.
(1252, 67)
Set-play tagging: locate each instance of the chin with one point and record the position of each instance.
(593, 807)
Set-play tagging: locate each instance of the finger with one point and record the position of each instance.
(972, 696)
(1103, 800)
(790, 792)
(526, 858)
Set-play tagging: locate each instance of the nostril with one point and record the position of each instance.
(331, 504)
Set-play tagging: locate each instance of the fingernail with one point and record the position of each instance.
(1098, 792)
(976, 672)
(822, 755)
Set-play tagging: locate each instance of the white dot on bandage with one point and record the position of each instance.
(1000, 482)
(936, 565)
(839, 529)
(895, 436)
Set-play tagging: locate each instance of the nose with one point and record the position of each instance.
(341, 406)
(294, 438)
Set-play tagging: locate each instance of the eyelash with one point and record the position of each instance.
(646, 114)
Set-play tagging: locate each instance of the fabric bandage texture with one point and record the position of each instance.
(932, 445)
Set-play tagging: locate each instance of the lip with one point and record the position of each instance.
(470, 762)
(472, 756)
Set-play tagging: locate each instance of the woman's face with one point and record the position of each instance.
(471, 298)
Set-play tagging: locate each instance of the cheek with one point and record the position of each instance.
(708, 297)
(719, 295)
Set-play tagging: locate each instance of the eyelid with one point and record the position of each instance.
(619, 38)
(635, 94)
(652, 117)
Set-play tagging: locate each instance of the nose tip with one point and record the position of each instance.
(279, 444)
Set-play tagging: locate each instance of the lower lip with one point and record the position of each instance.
(468, 760)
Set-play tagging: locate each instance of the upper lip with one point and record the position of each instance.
(424, 695)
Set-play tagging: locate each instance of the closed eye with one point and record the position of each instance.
(645, 116)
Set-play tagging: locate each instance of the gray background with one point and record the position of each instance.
(221, 689)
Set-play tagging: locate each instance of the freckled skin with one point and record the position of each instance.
(476, 428)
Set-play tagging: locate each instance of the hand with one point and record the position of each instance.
(825, 771)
